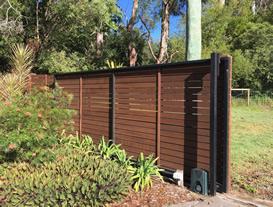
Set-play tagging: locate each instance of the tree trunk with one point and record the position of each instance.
(99, 44)
(254, 8)
(194, 41)
(37, 21)
(165, 27)
(131, 48)
(222, 2)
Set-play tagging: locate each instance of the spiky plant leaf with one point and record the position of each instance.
(14, 83)
(145, 170)
(111, 64)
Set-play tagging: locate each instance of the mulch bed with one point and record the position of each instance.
(161, 194)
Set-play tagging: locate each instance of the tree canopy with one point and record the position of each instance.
(68, 35)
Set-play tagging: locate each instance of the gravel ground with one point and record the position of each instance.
(161, 194)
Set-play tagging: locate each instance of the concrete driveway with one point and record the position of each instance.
(224, 200)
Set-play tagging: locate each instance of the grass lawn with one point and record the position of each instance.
(252, 150)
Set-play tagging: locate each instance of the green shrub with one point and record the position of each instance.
(55, 61)
(141, 171)
(144, 171)
(106, 149)
(33, 122)
(83, 143)
(77, 179)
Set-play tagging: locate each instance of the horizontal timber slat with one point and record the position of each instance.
(133, 128)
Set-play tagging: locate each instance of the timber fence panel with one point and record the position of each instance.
(177, 112)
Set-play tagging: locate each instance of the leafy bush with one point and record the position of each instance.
(106, 149)
(77, 179)
(84, 143)
(144, 171)
(63, 62)
(33, 122)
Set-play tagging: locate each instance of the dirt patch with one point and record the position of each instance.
(161, 194)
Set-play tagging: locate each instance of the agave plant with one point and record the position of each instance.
(144, 172)
(111, 64)
(14, 83)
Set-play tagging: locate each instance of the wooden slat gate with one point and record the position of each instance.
(178, 112)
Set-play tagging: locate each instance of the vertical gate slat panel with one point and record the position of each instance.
(72, 86)
(185, 118)
(135, 112)
(96, 106)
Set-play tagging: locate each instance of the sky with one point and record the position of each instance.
(175, 25)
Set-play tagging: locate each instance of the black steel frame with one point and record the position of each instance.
(215, 58)
(227, 63)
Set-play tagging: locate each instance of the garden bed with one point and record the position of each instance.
(160, 194)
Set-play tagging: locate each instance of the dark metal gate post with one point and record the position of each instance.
(227, 98)
(158, 121)
(213, 121)
(113, 105)
(80, 114)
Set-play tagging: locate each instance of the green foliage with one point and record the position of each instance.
(243, 70)
(141, 172)
(62, 62)
(256, 43)
(33, 122)
(83, 143)
(116, 46)
(63, 25)
(77, 34)
(144, 171)
(177, 49)
(123, 159)
(78, 179)
(234, 29)
(107, 150)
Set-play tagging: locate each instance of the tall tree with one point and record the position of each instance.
(194, 37)
(167, 9)
(165, 30)
(261, 5)
(10, 17)
(131, 47)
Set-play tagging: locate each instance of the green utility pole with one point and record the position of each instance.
(194, 39)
